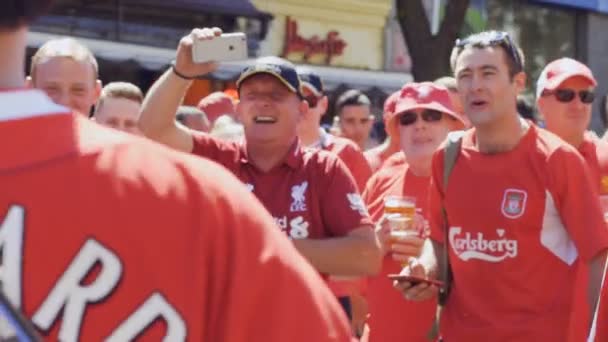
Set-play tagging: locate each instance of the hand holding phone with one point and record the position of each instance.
(415, 280)
(225, 48)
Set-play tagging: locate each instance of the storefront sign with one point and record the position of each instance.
(329, 46)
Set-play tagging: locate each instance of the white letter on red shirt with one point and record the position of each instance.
(69, 292)
(11, 245)
(156, 306)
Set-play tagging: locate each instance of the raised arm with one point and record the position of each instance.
(157, 120)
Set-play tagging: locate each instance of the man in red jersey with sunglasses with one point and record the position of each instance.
(565, 92)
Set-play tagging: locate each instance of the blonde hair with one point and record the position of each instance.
(63, 47)
(120, 90)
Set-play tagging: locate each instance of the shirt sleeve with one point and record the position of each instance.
(261, 288)
(220, 151)
(577, 202)
(342, 207)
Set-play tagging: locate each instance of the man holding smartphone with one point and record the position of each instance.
(521, 210)
(85, 212)
(311, 194)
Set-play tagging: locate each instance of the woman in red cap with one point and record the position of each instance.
(423, 117)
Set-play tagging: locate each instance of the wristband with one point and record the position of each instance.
(179, 74)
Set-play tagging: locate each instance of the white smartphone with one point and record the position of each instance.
(225, 48)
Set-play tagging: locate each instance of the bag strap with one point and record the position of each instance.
(451, 152)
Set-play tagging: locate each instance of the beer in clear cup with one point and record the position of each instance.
(402, 205)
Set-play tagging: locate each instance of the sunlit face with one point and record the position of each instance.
(68, 82)
(268, 110)
(486, 90)
(420, 139)
(356, 123)
(119, 113)
(567, 119)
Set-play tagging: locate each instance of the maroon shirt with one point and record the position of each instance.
(311, 194)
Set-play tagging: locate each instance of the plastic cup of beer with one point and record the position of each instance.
(403, 205)
(400, 226)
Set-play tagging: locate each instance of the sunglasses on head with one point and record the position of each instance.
(498, 38)
(567, 95)
(428, 115)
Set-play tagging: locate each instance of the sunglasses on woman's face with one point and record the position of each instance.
(428, 115)
(566, 95)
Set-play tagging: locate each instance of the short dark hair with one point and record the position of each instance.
(352, 97)
(514, 55)
(17, 13)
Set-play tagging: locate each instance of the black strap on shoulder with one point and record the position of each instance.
(451, 152)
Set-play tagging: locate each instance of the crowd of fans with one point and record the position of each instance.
(254, 223)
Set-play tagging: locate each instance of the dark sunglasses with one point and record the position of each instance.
(428, 115)
(498, 38)
(567, 95)
(312, 100)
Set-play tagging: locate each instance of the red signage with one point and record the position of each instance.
(331, 46)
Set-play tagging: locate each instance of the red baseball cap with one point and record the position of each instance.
(560, 70)
(425, 95)
(390, 104)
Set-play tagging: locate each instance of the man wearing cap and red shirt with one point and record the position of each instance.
(311, 194)
(565, 92)
(421, 121)
(312, 135)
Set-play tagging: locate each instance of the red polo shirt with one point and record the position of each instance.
(310, 194)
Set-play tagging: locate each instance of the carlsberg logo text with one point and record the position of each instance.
(477, 246)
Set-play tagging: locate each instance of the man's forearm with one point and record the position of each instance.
(596, 275)
(161, 103)
(343, 256)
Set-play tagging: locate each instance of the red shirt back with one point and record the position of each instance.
(107, 236)
(518, 222)
(392, 318)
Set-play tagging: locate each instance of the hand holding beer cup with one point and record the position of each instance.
(406, 240)
(404, 227)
